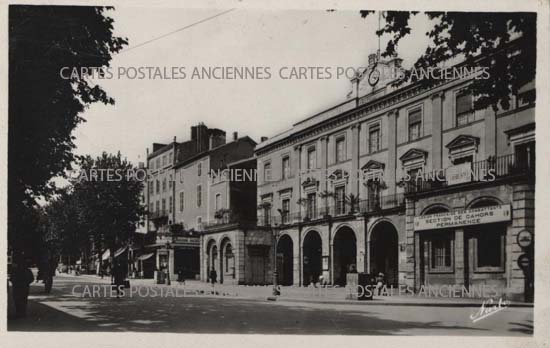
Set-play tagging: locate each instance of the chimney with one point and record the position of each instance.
(174, 138)
(235, 136)
(262, 139)
(210, 142)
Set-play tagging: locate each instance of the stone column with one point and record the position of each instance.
(490, 133)
(354, 180)
(437, 122)
(390, 172)
(459, 256)
(322, 176)
(411, 268)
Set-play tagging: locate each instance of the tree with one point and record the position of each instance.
(503, 43)
(44, 108)
(109, 204)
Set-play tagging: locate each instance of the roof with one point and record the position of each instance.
(211, 151)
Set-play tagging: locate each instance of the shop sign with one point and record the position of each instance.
(485, 215)
(459, 174)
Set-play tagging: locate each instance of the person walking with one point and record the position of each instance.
(21, 279)
(213, 276)
(118, 278)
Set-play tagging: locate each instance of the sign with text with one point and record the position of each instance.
(485, 215)
(459, 174)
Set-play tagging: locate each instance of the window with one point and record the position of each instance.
(415, 173)
(441, 248)
(340, 149)
(267, 172)
(181, 200)
(311, 205)
(340, 196)
(158, 162)
(151, 187)
(374, 138)
(489, 249)
(464, 109)
(286, 167)
(170, 181)
(158, 207)
(163, 205)
(164, 185)
(199, 169)
(170, 204)
(199, 195)
(170, 158)
(199, 223)
(217, 202)
(151, 207)
(158, 186)
(415, 124)
(311, 158)
(163, 160)
(525, 155)
(285, 211)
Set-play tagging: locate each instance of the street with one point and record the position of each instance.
(66, 310)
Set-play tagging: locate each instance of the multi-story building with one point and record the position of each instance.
(176, 194)
(232, 244)
(408, 181)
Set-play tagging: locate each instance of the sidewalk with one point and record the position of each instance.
(308, 294)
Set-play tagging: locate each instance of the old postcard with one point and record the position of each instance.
(290, 171)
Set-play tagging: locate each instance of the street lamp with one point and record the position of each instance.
(275, 286)
(168, 263)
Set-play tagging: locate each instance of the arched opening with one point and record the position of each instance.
(209, 257)
(285, 260)
(227, 261)
(345, 254)
(312, 251)
(384, 253)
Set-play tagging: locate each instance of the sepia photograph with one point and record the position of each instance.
(277, 171)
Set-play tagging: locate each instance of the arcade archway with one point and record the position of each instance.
(345, 254)
(312, 251)
(285, 260)
(384, 252)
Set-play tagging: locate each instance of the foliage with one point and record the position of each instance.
(44, 108)
(505, 40)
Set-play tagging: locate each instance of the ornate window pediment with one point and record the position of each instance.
(463, 141)
(339, 175)
(463, 146)
(310, 182)
(521, 134)
(373, 165)
(413, 156)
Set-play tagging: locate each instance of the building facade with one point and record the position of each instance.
(409, 181)
(233, 246)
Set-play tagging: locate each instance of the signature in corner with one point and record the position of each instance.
(488, 308)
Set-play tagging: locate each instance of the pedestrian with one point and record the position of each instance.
(380, 282)
(49, 273)
(213, 276)
(21, 278)
(118, 277)
(181, 277)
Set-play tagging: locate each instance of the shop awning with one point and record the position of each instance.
(120, 251)
(145, 256)
(106, 254)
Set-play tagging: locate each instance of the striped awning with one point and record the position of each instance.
(120, 251)
(145, 256)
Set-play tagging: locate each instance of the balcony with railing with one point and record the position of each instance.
(487, 170)
(340, 209)
(158, 214)
(227, 218)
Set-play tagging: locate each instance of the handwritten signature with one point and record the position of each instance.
(488, 308)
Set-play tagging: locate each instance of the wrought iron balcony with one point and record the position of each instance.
(481, 171)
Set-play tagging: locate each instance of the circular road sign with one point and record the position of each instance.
(524, 261)
(525, 239)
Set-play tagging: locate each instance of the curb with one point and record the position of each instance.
(407, 304)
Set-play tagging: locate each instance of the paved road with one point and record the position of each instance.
(65, 310)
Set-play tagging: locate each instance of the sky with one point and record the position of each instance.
(150, 110)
